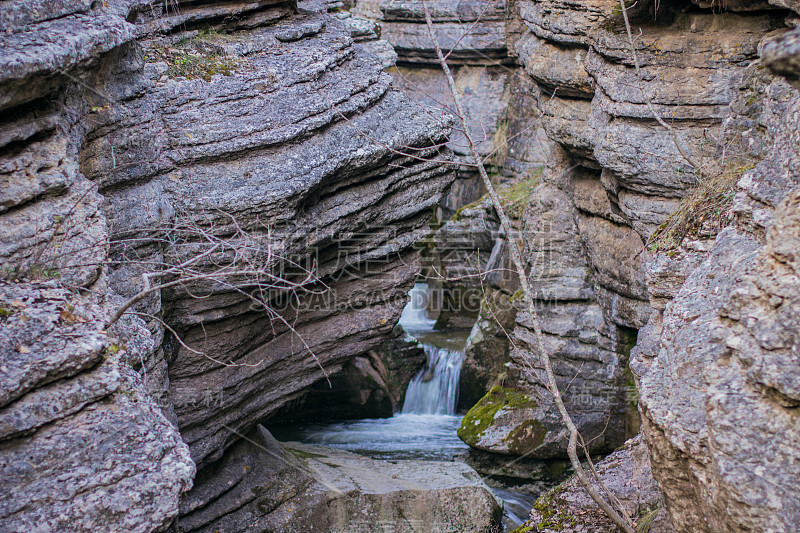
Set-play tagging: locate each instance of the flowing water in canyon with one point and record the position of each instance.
(426, 426)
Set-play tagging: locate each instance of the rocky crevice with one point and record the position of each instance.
(629, 246)
(273, 123)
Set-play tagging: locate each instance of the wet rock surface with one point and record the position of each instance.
(297, 487)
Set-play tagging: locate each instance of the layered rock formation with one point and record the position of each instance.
(702, 293)
(496, 98)
(372, 385)
(715, 367)
(254, 145)
(501, 115)
(617, 177)
(258, 138)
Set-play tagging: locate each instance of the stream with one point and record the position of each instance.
(426, 426)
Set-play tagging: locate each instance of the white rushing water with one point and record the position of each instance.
(426, 427)
(403, 436)
(434, 390)
(414, 318)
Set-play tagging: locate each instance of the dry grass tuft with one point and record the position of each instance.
(702, 214)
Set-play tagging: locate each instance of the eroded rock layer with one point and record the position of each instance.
(659, 234)
(255, 153)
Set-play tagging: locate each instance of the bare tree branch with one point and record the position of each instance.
(678, 144)
(621, 522)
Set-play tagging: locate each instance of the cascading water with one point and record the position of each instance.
(434, 390)
(426, 427)
(414, 318)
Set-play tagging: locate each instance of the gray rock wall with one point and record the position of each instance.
(628, 244)
(132, 135)
(80, 437)
(497, 100)
(715, 367)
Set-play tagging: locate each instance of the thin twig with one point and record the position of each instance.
(678, 144)
(621, 522)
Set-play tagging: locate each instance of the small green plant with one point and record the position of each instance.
(195, 65)
(114, 348)
(196, 57)
(39, 272)
(549, 515)
(644, 523)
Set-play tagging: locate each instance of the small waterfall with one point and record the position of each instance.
(434, 390)
(415, 314)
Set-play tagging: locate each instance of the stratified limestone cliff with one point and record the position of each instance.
(497, 99)
(132, 135)
(629, 242)
(717, 367)
(501, 114)
(621, 175)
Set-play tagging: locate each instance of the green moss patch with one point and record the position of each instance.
(514, 198)
(551, 516)
(459, 212)
(547, 515)
(191, 66)
(481, 416)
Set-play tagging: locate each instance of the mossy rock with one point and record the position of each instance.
(526, 437)
(482, 414)
(549, 514)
